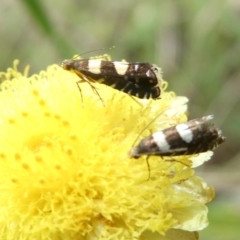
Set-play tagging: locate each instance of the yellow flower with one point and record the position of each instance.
(65, 172)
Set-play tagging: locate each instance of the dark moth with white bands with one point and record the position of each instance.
(192, 137)
(142, 80)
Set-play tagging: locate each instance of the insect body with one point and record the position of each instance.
(142, 80)
(192, 137)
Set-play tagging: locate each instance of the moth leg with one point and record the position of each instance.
(80, 92)
(149, 170)
(135, 100)
(174, 160)
(85, 79)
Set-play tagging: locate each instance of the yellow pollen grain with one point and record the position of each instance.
(57, 116)
(14, 180)
(17, 157)
(58, 167)
(69, 151)
(35, 93)
(11, 121)
(47, 114)
(65, 122)
(25, 166)
(42, 103)
(48, 144)
(79, 174)
(39, 159)
(2, 155)
(42, 181)
(73, 137)
(24, 114)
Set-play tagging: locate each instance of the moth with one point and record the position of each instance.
(142, 80)
(192, 137)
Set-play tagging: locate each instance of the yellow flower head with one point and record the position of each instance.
(65, 171)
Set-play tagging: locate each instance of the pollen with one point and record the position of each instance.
(11, 121)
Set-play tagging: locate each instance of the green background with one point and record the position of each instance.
(195, 42)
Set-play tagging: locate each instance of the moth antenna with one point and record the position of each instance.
(95, 50)
(147, 126)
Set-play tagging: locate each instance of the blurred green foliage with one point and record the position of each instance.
(197, 44)
(224, 222)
